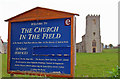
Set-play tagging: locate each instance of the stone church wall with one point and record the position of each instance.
(91, 41)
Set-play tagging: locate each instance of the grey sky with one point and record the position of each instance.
(108, 10)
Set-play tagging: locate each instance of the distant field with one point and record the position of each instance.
(88, 64)
(96, 64)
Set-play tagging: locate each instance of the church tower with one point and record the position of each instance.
(92, 36)
(91, 41)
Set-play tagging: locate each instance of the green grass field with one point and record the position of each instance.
(88, 64)
(96, 64)
(0, 66)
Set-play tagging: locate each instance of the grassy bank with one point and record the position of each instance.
(96, 64)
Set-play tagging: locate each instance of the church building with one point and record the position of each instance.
(91, 41)
(1, 46)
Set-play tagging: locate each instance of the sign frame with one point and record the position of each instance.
(73, 37)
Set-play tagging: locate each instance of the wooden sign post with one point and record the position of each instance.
(41, 42)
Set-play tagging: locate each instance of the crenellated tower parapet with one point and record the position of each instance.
(91, 15)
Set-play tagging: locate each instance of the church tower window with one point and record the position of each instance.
(94, 43)
(94, 33)
(94, 21)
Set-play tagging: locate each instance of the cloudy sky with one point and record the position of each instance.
(108, 10)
